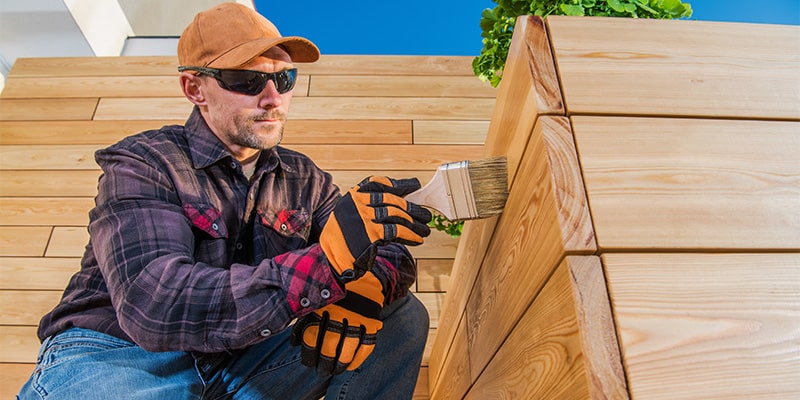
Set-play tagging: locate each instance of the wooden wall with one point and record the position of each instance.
(355, 115)
(650, 248)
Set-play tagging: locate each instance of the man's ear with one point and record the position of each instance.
(191, 85)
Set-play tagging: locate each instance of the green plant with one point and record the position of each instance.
(497, 24)
(441, 223)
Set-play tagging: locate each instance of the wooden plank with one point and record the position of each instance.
(455, 382)
(19, 344)
(158, 108)
(44, 183)
(539, 226)
(529, 87)
(166, 65)
(433, 275)
(340, 157)
(92, 86)
(48, 157)
(450, 132)
(432, 302)
(94, 66)
(37, 273)
(705, 68)
(346, 179)
(387, 157)
(343, 131)
(546, 356)
(106, 86)
(703, 326)
(437, 108)
(74, 132)
(46, 109)
(399, 86)
(692, 183)
(437, 245)
(12, 377)
(23, 241)
(32, 211)
(67, 242)
(26, 307)
(297, 131)
(422, 390)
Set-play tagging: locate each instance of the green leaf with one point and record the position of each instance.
(573, 10)
(616, 5)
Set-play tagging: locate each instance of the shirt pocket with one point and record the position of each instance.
(284, 230)
(207, 219)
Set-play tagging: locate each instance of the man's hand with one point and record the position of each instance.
(371, 214)
(342, 335)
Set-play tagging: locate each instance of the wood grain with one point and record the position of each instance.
(33, 211)
(24, 241)
(297, 131)
(37, 273)
(457, 379)
(43, 183)
(515, 113)
(708, 325)
(74, 132)
(433, 275)
(564, 346)
(47, 109)
(19, 344)
(450, 132)
(708, 69)
(166, 65)
(12, 376)
(26, 307)
(692, 183)
(399, 86)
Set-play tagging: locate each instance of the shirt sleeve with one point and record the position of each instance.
(164, 299)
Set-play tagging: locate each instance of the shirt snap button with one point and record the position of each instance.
(284, 227)
(215, 227)
(239, 246)
(305, 302)
(266, 332)
(325, 294)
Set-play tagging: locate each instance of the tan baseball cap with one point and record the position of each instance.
(230, 35)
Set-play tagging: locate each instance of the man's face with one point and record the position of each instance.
(243, 122)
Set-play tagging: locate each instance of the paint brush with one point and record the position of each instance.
(466, 189)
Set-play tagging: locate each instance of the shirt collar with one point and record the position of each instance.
(206, 148)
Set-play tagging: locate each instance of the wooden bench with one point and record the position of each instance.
(650, 247)
(355, 115)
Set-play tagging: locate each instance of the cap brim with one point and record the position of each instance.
(299, 49)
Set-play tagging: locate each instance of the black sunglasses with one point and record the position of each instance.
(248, 82)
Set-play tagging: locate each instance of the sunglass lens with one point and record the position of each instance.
(246, 82)
(284, 80)
(253, 82)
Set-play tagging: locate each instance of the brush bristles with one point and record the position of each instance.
(489, 181)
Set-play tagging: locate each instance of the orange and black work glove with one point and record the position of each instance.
(340, 336)
(371, 214)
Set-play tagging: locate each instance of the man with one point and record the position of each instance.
(207, 240)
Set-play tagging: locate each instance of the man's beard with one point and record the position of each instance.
(247, 137)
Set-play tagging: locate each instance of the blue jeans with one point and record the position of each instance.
(87, 365)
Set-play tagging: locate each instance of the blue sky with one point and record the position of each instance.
(449, 27)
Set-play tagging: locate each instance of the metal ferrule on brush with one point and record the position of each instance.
(459, 190)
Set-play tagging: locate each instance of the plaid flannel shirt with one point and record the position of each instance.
(186, 253)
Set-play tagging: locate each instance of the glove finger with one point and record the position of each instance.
(419, 213)
(367, 344)
(398, 187)
(392, 228)
(409, 237)
(299, 328)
